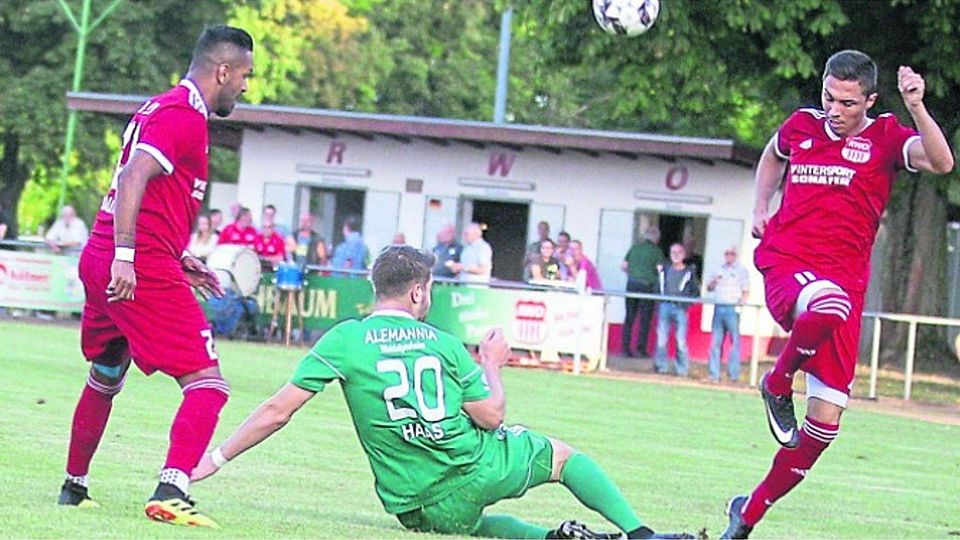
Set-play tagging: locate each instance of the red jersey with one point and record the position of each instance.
(836, 189)
(269, 246)
(172, 128)
(234, 234)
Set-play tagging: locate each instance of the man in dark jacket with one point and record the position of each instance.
(677, 279)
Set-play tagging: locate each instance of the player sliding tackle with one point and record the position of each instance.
(431, 420)
(814, 253)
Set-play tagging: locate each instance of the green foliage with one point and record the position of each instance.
(134, 51)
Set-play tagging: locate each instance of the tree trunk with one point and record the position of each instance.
(13, 178)
(915, 259)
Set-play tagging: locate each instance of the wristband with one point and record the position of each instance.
(218, 458)
(124, 254)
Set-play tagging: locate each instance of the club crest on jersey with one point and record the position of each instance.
(857, 150)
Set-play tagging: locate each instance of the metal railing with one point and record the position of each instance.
(912, 321)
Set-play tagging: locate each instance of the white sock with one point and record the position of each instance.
(177, 478)
(79, 480)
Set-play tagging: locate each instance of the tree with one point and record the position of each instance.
(736, 69)
(138, 49)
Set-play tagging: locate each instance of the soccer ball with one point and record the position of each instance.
(626, 17)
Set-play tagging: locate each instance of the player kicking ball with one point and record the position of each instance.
(430, 419)
(814, 253)
(138, 276)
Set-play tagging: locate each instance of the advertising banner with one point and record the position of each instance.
(550, 322)
(40, 281)
(546, 321)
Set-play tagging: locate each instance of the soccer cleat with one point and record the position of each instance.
(170, 505)
(736, 528)
(575, 529)
(780, 416)
(73, 494)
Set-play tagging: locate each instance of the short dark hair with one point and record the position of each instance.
(242, 212)
(352, 223)
(548, 241)
(213, 36)
(215, 211)
(270, 207)
(397, 268)
(564, 233)
(851, 65)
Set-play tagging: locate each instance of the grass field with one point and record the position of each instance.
(678, 453)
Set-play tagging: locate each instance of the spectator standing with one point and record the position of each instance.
(352, 253)
(533, 250)
(640, 264)
(240, 231)
(307, 243)
(204, 240)
(730, 287)
(269, 245)
(68, 233)
(270, 214)
(399, 239)
(578, 262)
(216, 220)
(546, 266)
(561, 252)
(447, 251)
(476, 259)
(676, 279)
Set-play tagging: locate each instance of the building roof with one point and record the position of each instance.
(229, 131)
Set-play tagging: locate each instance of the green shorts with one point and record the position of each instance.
(516, 460)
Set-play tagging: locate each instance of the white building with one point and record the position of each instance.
(412, 175)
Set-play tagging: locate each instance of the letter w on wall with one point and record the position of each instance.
(501, 162)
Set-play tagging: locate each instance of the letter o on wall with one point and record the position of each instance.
(677, 178)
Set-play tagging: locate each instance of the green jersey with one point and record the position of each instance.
(405, 383)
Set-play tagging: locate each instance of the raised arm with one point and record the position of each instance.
(933, 154)
(266, 420)
(767, 178)
(494, 353)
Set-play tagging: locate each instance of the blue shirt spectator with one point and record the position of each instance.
(352, 253)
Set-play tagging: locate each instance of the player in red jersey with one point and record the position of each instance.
(138, 276)
(814, 253)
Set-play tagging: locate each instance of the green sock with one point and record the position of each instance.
(587, 481)
(504, 526)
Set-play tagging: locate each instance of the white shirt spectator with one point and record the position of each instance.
(731, 283)
(68, 232)
(476, 254)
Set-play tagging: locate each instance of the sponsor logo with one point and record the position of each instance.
(857, 150)
(784, 436)
(530, 321)
(806, 352)
(799, 472)
(826, 175)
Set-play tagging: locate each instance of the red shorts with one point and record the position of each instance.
(163, 327)
(836, 361)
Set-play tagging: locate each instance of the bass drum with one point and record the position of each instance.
(238, 268)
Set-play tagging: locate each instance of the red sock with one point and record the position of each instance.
(195, 422)
(811, 329)
(89, 421)
(790, 466)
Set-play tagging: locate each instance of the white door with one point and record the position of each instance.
(381, 217)
(616, 237)
(440, 211)
(554, 214)
(283, 197)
